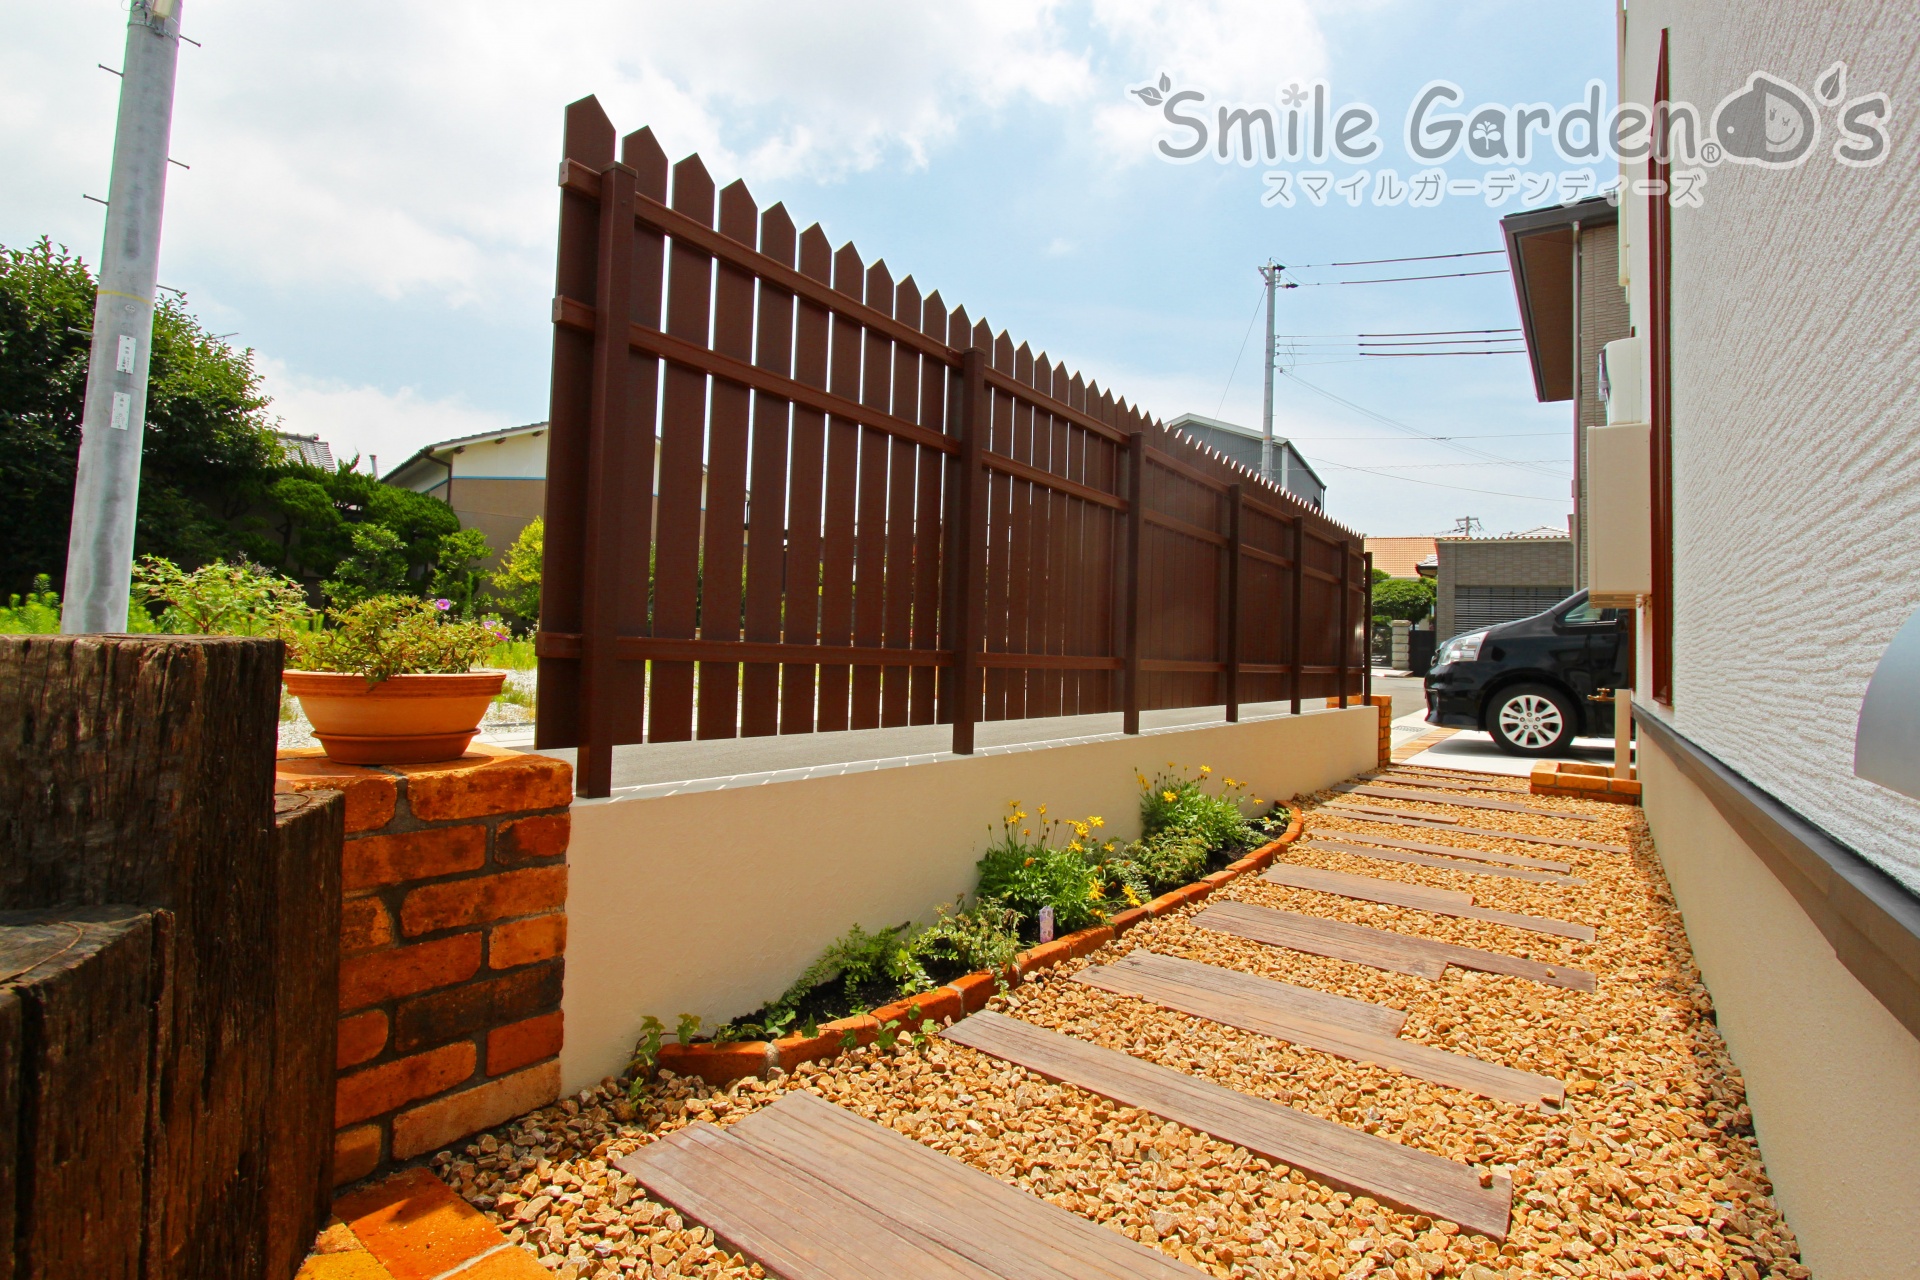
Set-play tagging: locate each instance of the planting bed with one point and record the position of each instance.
(1648, 1170)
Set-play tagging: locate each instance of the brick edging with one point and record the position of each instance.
(721, 1064)
(1582, 782)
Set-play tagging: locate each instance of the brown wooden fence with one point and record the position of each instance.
(787, 493)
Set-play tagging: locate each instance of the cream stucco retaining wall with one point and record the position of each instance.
(1832, 1078)
(712, 901)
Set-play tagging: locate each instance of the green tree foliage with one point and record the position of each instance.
(1409, 598)
(221, 599)
(455, 579)
(209, 453)
(516, 583)
(377, 566)
(320, 515)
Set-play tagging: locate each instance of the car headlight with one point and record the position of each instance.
(1461, 648)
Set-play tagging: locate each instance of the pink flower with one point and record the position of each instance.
(443, 605)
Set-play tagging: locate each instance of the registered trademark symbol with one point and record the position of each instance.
(1710, 152)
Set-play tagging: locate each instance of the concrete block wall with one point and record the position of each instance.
(453, 942)
(1497, 562)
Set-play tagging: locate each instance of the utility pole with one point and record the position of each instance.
(1271, 274)
(106, 490)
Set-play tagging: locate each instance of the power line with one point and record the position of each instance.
(1433, 484)
(1451, 275)
(1434, 333)
(1383, 420)
(1421, 466)
(1425, 257)
(1513, 435)
(1415, 355)
(1243, 351)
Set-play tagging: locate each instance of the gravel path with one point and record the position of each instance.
(1651, 1169)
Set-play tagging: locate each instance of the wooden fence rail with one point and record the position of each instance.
(789, 494)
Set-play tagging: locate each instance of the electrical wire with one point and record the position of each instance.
(1382, 419)
(1425, 257)
(1434, 484)
(1415, 355)
(1451, 275)
(1242, 352)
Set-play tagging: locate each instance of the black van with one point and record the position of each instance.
(1535, 684)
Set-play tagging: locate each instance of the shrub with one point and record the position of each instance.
(969, 939)
(1024, 873)
(1176, 802)
(516, 582)
(38, 614)
(221, 599)
(394, 635)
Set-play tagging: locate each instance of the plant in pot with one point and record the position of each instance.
(394, 680)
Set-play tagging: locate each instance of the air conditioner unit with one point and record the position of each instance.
(1619, 515)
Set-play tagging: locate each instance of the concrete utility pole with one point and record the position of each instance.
(106, 491)
(1271, 274)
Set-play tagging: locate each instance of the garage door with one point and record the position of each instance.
(1476, 607)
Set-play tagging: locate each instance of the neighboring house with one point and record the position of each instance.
(1242, 444)
(1482, 582)
(495, 482)
(310, 450)
(1565, 261)
(1402, 557)
(1763, 512)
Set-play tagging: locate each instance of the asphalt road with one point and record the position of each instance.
(1408, 692)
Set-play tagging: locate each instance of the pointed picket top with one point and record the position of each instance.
(1043, 374)
(879, 293)
(641, 152)
(848, 271)
(588, 135)
(907, 303)
(739, 216)
(1003, 350)
(693, 190)
(1023, 364)
(1077, 392)
(959, 329)
(983, 337)
(777, 235)
(816, 254)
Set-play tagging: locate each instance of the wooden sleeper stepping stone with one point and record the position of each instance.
(1445, 850)
(811, 1191)
(1407, 1179)
(1460, 863)
(1430, 784)
(1396, 893)
(1464, 802)
(1468, 776)
(1397, 818)
(1241, 1002)
(1277, 999)
(1379, 948)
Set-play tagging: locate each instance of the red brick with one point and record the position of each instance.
(372, 861)
(1125, 920)
(938, 1004)
(371, 793)
(486, 781)
(717, 1063)
(528, 839)
(361, 1038)
(523, 1043)
(378, 1090)
(356, 1153)
(863, 1029)
(527, 941)
(365, 925)
(1088, 941)
(405, 971)
(975, 990)
(499, 897)
(435, 1124)
(794, 1050)
(416, 1227)
(1219, 878)
(1045, 955)
(462, 1012)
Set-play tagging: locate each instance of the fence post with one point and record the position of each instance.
(1233, 603)
(600, 569)
(1299, 603)
(1346, 618)
(969, 548)
(1366, 650)
(1136, 527)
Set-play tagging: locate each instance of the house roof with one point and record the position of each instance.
(1539, 533)
(484, 437)
(311, 450)
(1401, 557)
(1540, 252)
(1202, 420)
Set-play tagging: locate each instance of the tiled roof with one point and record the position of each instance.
(1399, 557)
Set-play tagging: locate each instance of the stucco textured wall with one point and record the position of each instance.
(1796, 414)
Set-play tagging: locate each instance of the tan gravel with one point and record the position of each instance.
(1650, 1170)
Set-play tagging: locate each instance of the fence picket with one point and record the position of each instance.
(767, 487)
(800, 681)
(870, 518)
(929, 513)
(724, 534)
(843, 477)
(896, 681)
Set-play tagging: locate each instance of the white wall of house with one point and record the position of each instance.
(516, 457)
(1796, 420)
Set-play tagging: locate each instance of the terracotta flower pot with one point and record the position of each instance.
(409, 719)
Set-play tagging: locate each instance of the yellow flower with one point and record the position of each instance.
(1141, 778)
(1133, 899)
(1026, 831)
(1027, 863)
(1043, 811)
(1074, 847)
(1094, 892)
(1018, 816)
(1205, 769)
(1097, 821)
(1169, 796)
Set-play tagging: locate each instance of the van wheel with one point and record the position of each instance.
(1531, 720)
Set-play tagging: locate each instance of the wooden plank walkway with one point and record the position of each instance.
(1271, 997)
(1400, 1176)
(1464, 802)
(1434, 784)
(1471, 776)
(1380, 948)
(1462, 863)
(1400, 818)
(1240, 1000)
(1445, 850)
(811, 1191)
(1401, 815)
(1420, 897)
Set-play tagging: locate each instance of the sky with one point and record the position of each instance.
(371, 205)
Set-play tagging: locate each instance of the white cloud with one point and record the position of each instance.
(369, 421)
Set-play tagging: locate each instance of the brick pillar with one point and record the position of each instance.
(453, 933)
(1383, 703)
